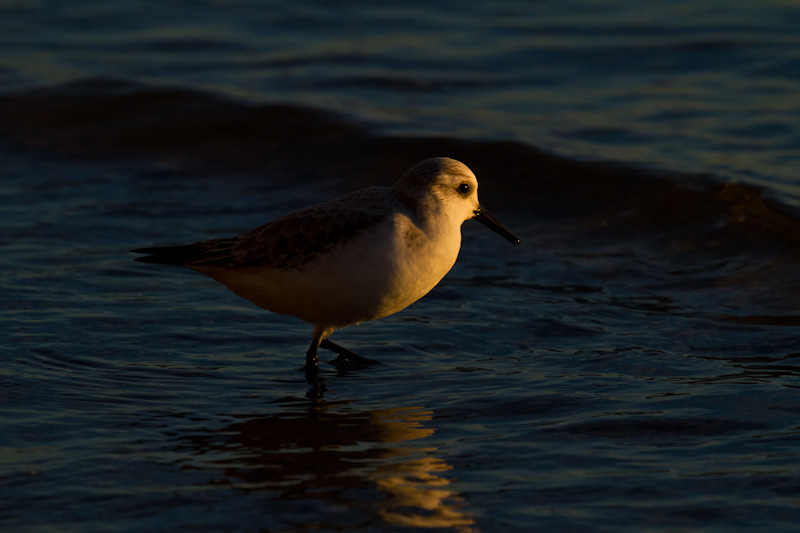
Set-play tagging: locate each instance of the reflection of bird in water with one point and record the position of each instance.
(328, 453)
(359, 257)
(420, 498)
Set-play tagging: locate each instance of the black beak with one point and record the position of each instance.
(487, 219)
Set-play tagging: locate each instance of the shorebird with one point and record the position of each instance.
(362, 256)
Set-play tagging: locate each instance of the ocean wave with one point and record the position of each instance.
(194, 132)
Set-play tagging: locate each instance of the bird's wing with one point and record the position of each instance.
(296, 239)
(290, 241)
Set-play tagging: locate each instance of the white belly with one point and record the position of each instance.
(374, 275)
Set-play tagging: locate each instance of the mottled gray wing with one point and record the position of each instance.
(296, 239)
(290, 241)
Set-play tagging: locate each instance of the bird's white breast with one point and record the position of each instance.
(381, 271)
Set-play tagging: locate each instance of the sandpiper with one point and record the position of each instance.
(358, 257)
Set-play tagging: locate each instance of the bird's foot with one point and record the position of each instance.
(313, 372)
(347, 360)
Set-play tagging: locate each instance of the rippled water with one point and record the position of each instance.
(632, 365)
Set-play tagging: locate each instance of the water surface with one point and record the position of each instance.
(631, 366)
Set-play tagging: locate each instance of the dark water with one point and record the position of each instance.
(633, 365)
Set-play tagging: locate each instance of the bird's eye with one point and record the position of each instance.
(463, 188)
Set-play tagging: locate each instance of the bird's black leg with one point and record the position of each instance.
(312, 361)
(346, 359)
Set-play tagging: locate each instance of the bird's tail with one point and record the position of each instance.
(170, 255)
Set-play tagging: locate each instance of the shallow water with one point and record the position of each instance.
(631, 365)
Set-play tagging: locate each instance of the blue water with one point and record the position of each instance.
(632, 365)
